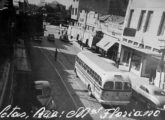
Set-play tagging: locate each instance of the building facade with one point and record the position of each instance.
(143, 35)
(74, 10)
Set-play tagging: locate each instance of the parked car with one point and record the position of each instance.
(151, 95)
(64, 37)
(51, 37)
(38, 38)
(43, 95)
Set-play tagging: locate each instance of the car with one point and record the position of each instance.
(64, 38)
(51, 37)
(152, 96)
(38, 38)
(43, 95)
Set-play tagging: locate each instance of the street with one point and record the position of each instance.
(68, 91)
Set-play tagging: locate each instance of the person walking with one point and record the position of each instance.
(55, 55)
(152, 75)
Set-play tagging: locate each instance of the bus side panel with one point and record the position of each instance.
(80, 74)
(85, 77)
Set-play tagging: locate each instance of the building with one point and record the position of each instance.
(112, 27)
(88, 17)
(143, 32)
(74, 10)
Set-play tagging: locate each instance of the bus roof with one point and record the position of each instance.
(97, 63)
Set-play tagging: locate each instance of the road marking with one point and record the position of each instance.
(60, 78)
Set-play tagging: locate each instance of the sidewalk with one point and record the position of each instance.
(136, 80)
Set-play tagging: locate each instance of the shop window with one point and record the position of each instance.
(126, 57)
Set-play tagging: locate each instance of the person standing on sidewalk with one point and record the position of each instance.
(55, 55)
(152, 75)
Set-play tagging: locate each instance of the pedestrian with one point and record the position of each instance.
(82, 46)
(55, 55)
(152, 75)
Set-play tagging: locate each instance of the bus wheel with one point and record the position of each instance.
(89, 91)
(75, 72)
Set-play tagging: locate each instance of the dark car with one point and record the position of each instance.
(151, 95)
(51, 37)
(64, 38)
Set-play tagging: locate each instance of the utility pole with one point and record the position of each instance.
(162, 50)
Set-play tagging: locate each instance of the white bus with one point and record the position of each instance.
(104, 81)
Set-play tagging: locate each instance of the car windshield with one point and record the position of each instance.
(159, 93)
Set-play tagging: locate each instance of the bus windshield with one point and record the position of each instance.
(109, 85)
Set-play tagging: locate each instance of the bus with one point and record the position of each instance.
(104, 80)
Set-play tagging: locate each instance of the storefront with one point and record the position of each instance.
(108, 46)
(137, 60)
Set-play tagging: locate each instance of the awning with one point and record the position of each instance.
(106, 42)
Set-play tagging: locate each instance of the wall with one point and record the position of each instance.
(150, 37)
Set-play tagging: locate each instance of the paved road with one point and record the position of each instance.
(69, 92)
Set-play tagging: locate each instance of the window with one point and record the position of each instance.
(156, 50)
(109, 85)
(127, 86)
(118, 85)
(162, 25)
(72, 11)
(148, 21)
(130, 41)
(144, 89)
(135, 43)
(141, 19)
(159, 93)
(148, 47)
(130, 18)
(76, 11)
(141, 45)
(125, 40)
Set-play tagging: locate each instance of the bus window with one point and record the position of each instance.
(109, 85)
(118, 85)
(127, 86)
